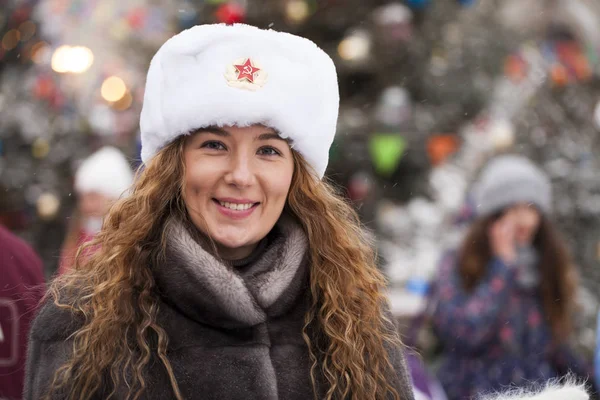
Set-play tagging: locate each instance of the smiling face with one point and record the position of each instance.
(236, 185)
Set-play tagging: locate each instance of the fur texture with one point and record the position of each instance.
(554, 390)
(233, 334)
(227, 295)
(188, 88)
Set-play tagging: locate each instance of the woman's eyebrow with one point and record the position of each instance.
(222, 132)
(270, 135)
(215, 130)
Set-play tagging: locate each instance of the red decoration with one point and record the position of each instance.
(20, 15)
(570, 55)
(136, 18)
(515, 68)
(44, 88)
(246, 71)
(231, 13)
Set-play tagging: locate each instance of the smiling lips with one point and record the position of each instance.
(236, 209)
(236, 206)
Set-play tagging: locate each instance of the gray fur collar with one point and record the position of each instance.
(209, 291)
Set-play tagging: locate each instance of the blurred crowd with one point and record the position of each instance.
(502, 306)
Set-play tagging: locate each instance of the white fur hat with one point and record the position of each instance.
(106, 171)
(241, 75)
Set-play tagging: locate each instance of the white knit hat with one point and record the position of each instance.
(511, 179)
(106, 171)
(239, 75)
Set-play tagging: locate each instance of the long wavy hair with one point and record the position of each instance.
(558, 278)
(347, 329)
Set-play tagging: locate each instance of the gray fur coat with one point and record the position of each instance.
(233, 333)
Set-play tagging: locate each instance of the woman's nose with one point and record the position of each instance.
(241, 172)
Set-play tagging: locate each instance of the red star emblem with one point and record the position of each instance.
(246, 71)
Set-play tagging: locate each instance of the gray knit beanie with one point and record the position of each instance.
(511, 179)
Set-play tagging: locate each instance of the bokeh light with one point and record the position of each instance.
(27, 30)
(113, 89)
(40, 148)
(81, 59)
(76, 59)
(297, 11)
(60, 59)
(48, 205)
(40, 52)
(10, 40)
(124, 102)
(355, 47)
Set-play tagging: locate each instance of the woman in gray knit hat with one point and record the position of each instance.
(505, 297)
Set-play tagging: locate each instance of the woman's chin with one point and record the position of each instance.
(230, 240)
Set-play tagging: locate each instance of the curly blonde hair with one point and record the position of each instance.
(112, 291)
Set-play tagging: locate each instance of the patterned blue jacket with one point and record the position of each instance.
(495, 336)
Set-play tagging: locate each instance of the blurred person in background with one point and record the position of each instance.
(505, 298)
(99, 181)
(232, 270)
(21, 289)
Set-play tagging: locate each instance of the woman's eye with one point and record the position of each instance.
(268, 151)
(213, 145)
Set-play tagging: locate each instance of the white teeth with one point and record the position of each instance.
(236, 207)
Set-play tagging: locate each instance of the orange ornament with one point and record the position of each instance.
(515, 68)
(559, 75)
(440, 147)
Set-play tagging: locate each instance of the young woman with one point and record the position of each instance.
(231, 271)
(505, 298)
(100, 180)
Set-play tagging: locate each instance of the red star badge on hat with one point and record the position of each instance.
(246, 71)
